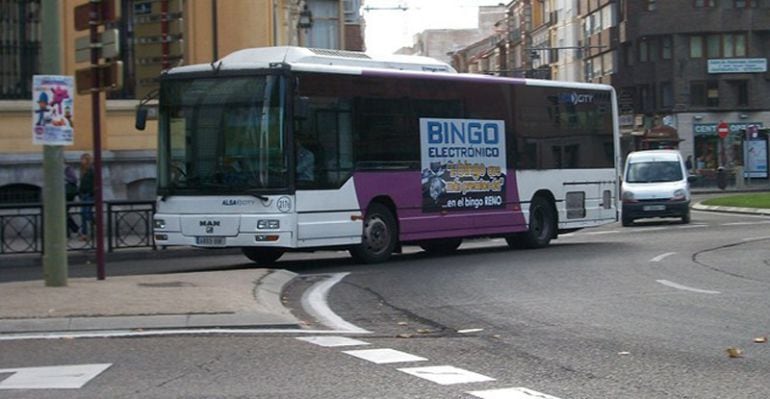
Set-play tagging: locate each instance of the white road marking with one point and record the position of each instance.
(662, 256)
(330, 342)
(314, 301)
(599, 233)
(446, 375)
(692, 226)
(53, 377)
(156, 333)
(384, 356)
(749, 239)
(743, 223)
(686, 288)
(511, 393)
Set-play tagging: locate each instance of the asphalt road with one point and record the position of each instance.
(641, 312)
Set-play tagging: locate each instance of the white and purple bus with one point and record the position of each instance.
(293, 149)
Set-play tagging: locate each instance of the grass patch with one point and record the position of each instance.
(758, 200)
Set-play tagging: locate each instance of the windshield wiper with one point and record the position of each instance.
(257, 195)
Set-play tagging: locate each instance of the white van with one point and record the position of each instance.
(655, 184)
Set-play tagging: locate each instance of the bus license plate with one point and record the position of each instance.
(210, 241)
(654, 208)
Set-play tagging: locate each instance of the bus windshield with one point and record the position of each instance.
(222, 135)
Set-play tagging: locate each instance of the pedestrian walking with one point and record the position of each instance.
(70, 193)
(86, 193)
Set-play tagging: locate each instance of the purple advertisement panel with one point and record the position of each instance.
(463, 164)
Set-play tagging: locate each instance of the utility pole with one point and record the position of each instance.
(55, 266)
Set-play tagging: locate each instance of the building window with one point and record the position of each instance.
(628, 54)
(666, 48)
(746, 3)
(712, 93)
(19, 193)
(652, 5)
(741, 90)
(696, 47)
(704, 3)
(734, 45)
(20, 36)
(697, 94)
(666, 95)
(644, 51)
(608, 60)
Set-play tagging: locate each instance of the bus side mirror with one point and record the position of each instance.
(301, 108)
(141, 118)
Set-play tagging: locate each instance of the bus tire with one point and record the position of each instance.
(626, 221)
(441, 246)
(379, 237)
(263, 256)
(542, 223)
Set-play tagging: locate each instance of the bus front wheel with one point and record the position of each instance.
(262, 256)
(379, 237)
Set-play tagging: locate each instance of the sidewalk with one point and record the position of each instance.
(233, 298)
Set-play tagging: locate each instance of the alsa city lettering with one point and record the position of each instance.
(575, 98)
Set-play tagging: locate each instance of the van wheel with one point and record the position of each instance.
(441, 246)
(542, 224)
(627, 221)
(263, 256)
(380, 236)
(686, 217)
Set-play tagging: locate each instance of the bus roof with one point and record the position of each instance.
(310, 59)
(360, 63)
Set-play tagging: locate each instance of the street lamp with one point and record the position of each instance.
(305, 18)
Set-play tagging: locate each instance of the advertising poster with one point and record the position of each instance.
(463, 164)
(52, 110)
(755, 157)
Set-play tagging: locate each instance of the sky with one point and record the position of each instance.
(389, 30)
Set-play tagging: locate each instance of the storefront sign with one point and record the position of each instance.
(710, 129)
(737, 65)
(52, 109)
(463, 164)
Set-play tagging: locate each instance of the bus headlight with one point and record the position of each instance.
(159, 224)
(269, 224)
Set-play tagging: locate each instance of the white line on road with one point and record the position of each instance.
(599, 233)
(156, 333)
(744, 223)
(692, 226)
(749, 239)
(511, 393)
(446, 375)
(331, 342)
(52, 377)
(314, 301)
(662, 256)
(384, 356)
(686, 288)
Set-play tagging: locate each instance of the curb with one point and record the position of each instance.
(731, 209)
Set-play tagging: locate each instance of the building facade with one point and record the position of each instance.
(195, 32)
(680, 68)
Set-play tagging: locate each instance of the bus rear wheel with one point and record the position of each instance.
(379, 238)
(542, 224)
(263, 256)
(441, 246)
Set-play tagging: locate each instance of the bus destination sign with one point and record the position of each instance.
(463, 164)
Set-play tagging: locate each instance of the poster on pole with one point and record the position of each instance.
(52, 109)
(463, 164)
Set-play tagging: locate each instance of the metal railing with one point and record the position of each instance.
(129, 225)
